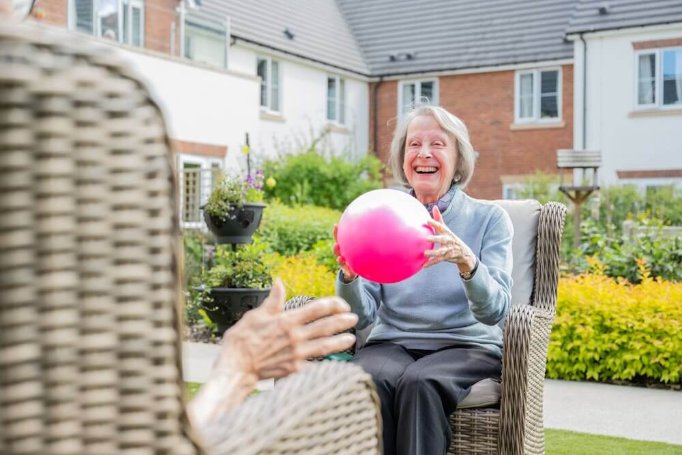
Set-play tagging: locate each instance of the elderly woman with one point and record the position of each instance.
(435, 334)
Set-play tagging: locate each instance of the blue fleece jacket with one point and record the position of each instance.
(437, 308)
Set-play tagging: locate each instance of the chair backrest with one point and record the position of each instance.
(524, 216)
(89, 339)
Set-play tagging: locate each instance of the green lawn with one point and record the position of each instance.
(559, 442)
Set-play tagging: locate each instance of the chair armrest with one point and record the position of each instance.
(328, 407)
(526, 338)
(547, 255)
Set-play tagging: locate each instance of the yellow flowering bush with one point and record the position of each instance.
(302, 275)
(609, 329)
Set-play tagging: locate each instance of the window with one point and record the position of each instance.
(659, 78)
(416, 92)
(198, 176)
(336, 99)
(538, 95)
(268, 70)
(118, 20)
(206, 43)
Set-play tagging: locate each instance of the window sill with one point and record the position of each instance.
(337, 128)
(655, 112)
(272, 117)
(537, 125)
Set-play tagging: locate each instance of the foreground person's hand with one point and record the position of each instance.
(270, 343)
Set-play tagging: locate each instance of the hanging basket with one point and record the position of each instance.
(239, 224)
(228, 305)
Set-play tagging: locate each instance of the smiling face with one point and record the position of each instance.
(430, 159)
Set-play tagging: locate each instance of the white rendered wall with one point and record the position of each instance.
(219, 107)
(201, 104)
(629, 140)
(303, 108)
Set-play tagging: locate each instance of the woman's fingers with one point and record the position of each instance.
(436, 214)
(324, 327)
(274, 303)
(440, 239)
(317, 309)
(323, 346)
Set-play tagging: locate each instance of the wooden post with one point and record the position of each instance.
(578, 194)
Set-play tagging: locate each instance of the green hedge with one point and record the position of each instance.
(291, 230)
(310, 178)
(611, 330)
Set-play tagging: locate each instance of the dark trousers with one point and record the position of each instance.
(420, 389)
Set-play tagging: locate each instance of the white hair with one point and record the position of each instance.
(452, 125)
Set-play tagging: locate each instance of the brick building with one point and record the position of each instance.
(345, 70)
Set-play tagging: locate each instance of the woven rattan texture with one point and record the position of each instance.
(89, 348)
(328, 408)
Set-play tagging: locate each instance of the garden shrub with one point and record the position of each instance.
(310, 178)
(322, 251)
(612, 330)
(290, 230)
(193, 251)
(302, 275)
(620, 254)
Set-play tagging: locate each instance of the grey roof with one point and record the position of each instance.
(623, 14)
(457, 34)
(319, 30)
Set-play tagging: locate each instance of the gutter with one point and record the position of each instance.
(584, 126)
(375, 116)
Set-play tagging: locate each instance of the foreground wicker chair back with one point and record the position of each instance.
(89, 297)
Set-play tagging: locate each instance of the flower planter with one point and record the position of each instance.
(229, 304)
(239, 225)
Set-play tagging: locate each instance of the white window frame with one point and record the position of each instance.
(418, 90)
(512, 189)
(96, 26)
(217, 29)
(205, 163)
(537, 77)
(269, 84)
(658, 79)
(339, 101)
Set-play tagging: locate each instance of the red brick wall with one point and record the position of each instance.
(198, 148)
(485, 102)
(51, 11)
(158, 19)
(159, 15)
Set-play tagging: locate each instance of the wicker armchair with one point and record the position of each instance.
(507, 418)
(89, 273)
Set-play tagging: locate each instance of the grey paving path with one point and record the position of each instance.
(586, 407)
(628, 412)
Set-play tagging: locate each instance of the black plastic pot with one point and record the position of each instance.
(239, 225)
(230, 304)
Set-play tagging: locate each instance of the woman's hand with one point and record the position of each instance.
(348, 274)
(268, 342)
(449, 247)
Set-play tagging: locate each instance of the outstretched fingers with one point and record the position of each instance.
(327, 326)
(317, 309)
(323, 346)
